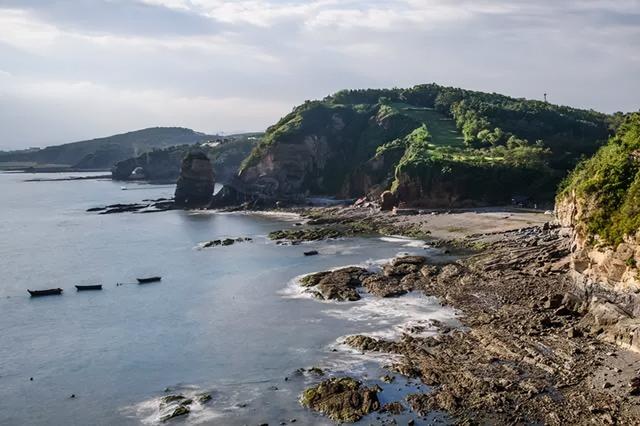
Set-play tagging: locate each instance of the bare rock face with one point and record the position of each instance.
(387, 201)
(607, 276)
(196, 182)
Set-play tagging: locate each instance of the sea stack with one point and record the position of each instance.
(195, 184)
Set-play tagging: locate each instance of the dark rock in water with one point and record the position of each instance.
(341, 399)
(203, 397)
(169, 399)
(316, 370)
(179, 411)
(311, 253)
(340, 284)
(196, 182)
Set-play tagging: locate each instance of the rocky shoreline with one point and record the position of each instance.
(530, 349)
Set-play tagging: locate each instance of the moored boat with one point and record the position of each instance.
(89, 287)
(48, 292)
(148, 280)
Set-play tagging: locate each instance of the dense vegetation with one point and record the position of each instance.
(608, 184)
(103, 153)
(492, 145)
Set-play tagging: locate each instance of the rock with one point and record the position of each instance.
(412, 282)
(573, 333)
(394, 408)
(387, 378)
(362, 343)
(203, 397)
(554, 301)
(313, 279)
(429, 271)
(179, 411)
(316, 370)
(308, 234)
(412, 260)
(387, 201)
(634, 384)
(196, 182)
(383, 286)
(339, 285)
(169, 399)
(400, 270)
(341, 399)
(228, 241)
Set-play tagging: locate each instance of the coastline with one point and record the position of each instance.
(525, 352)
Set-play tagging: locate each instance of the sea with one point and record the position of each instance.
(228, 321)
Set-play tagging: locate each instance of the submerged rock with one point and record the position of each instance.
(196, 182)
(179, 411)
(165, 400)
(341, 399)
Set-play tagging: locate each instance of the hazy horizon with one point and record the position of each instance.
(76, 70)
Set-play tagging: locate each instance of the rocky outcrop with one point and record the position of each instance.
(342, 399)
(196, 182)
(399, 277)
(607, 277)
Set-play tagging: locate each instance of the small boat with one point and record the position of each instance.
(49, 292)
(89, 287)
(123, 188)
(148, 280)
(311, 253)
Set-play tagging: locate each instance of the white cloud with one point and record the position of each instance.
(234, 65)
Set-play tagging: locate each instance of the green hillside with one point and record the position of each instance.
(423, 142)
(607, 186)
(102, 153)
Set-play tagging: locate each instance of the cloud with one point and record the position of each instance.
(242, 64)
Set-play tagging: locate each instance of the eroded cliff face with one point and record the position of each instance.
(317, 150)
(606, 277)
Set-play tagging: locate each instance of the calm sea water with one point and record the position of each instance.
(225, 320)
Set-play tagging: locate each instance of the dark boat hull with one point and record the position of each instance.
(310, 253)
(89, 287)
(148, 280)
(49, 292)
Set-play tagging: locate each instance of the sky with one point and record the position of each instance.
(79, 69)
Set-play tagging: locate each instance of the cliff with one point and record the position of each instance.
(430, 145)
(600, 207)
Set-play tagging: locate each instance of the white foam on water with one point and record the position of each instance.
(149, 412)
(286, 216)
(407, 242)
(389, 318)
